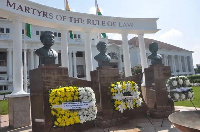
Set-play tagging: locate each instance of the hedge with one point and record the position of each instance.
(194, 78)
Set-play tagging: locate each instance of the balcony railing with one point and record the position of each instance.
(3, 78)
(4, 36)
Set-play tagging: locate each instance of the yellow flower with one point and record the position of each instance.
(112, 90)
(59, 119)
(112, 85)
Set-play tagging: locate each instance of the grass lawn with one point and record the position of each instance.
(196, 100)
(3, 107)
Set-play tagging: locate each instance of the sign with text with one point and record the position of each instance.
(75, 105)
(37, 14)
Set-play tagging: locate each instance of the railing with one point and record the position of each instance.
(4, 36)
(3, 78)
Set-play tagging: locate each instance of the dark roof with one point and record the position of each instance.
(161, 45)
(2, 18)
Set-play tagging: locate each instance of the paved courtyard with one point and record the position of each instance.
(135, 125)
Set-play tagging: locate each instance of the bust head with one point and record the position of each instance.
(102, 58)
(101, 47)
(154, 57)
(45, 53)
(47, 38)
(153, 47)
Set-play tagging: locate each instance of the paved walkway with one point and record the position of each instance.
(135, 125)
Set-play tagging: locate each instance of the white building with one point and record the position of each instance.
(180, 60)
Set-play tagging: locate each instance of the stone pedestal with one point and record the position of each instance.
(155, 93)
(19, 111)
(42, 80)
(101, 80)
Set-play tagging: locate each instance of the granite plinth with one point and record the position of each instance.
(43, 79)
(19, 111)
(155, 92)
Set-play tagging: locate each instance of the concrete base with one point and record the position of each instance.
(19, 111)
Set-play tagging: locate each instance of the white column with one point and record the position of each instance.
(31, 59)
(74, 61)
(56, 61)
(9, 65)
(126, 54)
(191, 63)
(173, 64)
(142, 55)
(186, 64)
(120, 60)
(142, 52)
(88, 55)
(36, 61)
(17, 59)
(64, 49)
(25, 71)
(180, 64)
(70, 64)
(166, 60)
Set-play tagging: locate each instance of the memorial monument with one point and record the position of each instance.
(154, 57)
(102, 58)
(155, 93)
(46, 54)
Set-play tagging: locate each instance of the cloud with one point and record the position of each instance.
(172, 33)
(114, 36)
(93, 10)
(196, 54)
(73, 10)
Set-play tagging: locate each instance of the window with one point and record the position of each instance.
(22, 31)
(75, 35)
(79, 36)
(1, 30)
(7, 30)
(2, 87)
(79, 54)
(55, 34)
(3, 58)
(37, 33)
(59, 34)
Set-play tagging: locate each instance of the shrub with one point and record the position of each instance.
(194, 78)
(136, 69)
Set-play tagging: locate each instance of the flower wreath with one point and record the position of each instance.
(125, 95)
(76, 96)
(178, 88)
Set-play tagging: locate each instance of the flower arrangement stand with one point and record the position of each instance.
(101, 79)
(43, 79)
(155, 93)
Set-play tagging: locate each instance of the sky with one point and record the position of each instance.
(179, 20)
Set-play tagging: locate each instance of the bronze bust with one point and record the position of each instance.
(45, 53)
(154, 57)
(102, 58)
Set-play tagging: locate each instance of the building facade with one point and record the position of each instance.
(180, 60)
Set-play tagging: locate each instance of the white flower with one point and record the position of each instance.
(169, 96)
(121, 107)
(174, 83)
(118, 96)
(180, 81)
(182, 96)
(176, 96)
(139, 101)
(130, 104)
(168, 89)
(135, 94)
(190, 94)
(187, 82)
